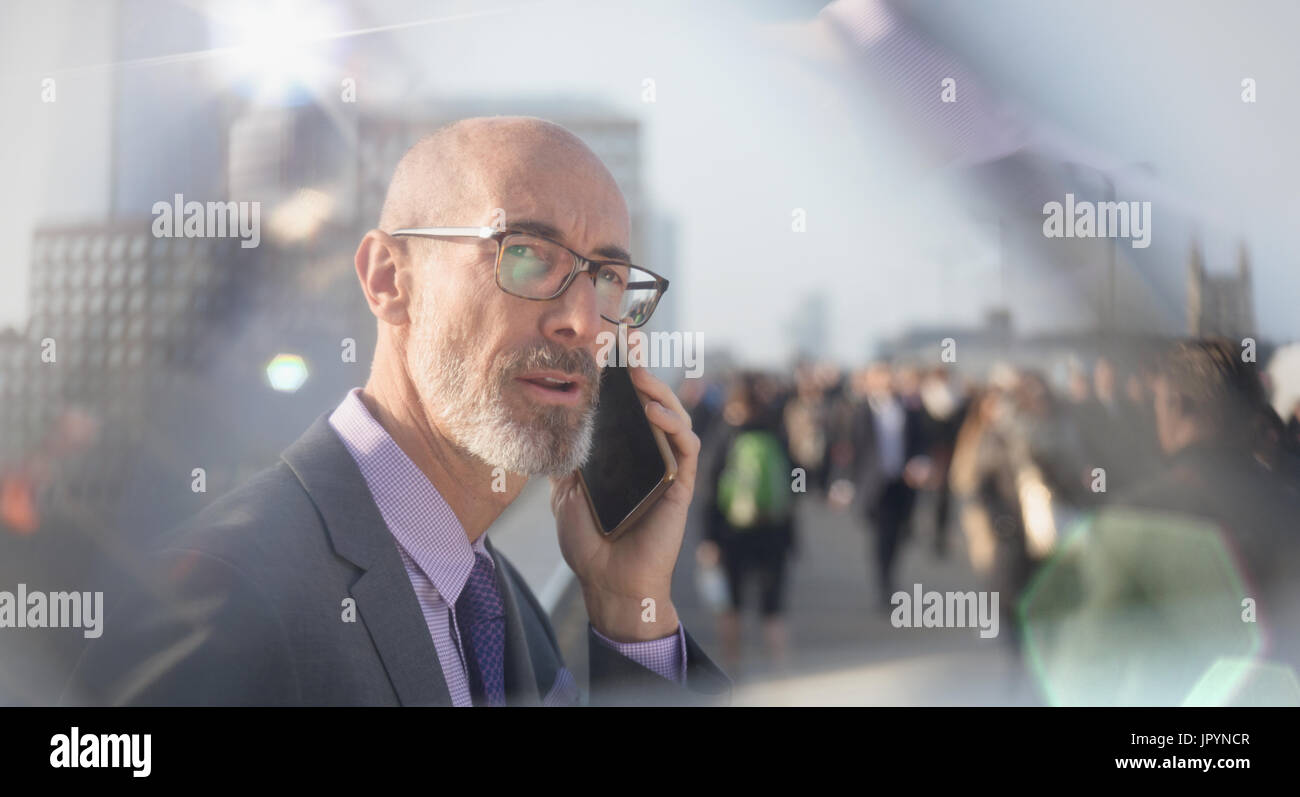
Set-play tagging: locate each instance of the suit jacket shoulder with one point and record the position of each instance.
(253, 602)
(290, 590)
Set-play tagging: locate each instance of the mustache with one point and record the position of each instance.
(547, 355)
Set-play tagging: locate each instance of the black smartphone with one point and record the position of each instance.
(631, 463)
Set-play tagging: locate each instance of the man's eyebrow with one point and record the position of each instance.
(545, 230)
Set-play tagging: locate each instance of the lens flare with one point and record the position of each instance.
(286, 373)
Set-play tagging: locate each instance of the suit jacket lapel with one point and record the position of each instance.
(385, 600)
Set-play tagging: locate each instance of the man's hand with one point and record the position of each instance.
(618, 575)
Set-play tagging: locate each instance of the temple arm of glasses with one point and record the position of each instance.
(453, 232)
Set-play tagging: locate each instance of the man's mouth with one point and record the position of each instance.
(553, 387)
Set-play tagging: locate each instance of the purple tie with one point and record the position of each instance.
(481, 617)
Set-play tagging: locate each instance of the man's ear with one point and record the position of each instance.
(384, 272)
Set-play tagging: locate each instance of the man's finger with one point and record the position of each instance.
(685, 443)
(654, 388)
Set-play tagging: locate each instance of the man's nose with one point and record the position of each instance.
(574, 318)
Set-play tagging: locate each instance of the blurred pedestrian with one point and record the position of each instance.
(891, 464)
(750, 519)
(1209, 410)
(945, 409)
(804, 419)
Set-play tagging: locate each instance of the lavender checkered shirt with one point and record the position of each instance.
(439, 557)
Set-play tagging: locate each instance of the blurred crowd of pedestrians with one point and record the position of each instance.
(1009, 462)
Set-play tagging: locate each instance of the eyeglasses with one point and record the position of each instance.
(534, 267)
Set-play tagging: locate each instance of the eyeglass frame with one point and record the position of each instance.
(581, 263)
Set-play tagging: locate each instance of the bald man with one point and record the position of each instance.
(357, 570)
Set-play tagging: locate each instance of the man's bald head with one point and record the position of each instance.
(468, 167)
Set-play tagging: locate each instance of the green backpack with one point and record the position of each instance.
(754, 487)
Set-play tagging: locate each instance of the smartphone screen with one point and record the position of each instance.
(626, 464)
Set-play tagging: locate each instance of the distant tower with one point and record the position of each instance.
(1243, 277)
(808, 326)
(1223, 305)
(1195, 283)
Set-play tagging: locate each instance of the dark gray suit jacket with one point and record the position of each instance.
(248, 605)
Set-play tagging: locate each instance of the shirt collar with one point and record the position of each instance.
(415, 512)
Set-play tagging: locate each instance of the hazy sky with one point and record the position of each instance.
(746, 128)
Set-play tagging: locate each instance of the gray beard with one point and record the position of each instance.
(475, 415)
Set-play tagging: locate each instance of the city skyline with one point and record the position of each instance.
(934, 253)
